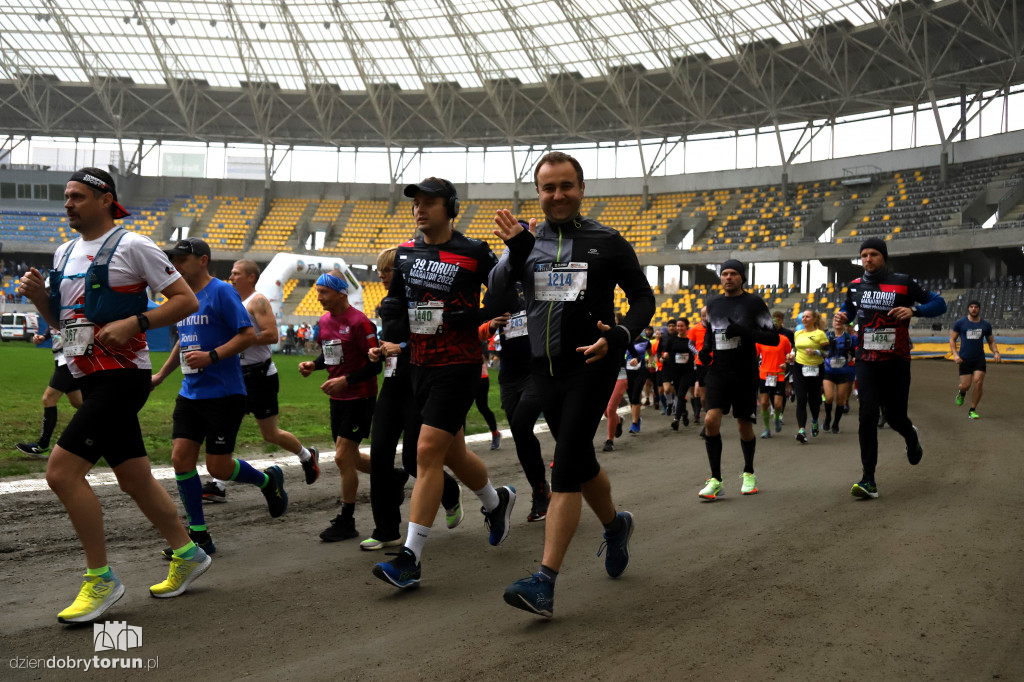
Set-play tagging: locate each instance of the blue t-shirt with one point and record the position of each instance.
(972, 337)
(221, 316)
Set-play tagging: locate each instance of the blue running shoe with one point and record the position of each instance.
(617, 558)
(403, 572)
(497, 520)
(535, 594)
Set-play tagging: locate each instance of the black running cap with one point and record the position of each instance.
(193, 245)
(429, 187)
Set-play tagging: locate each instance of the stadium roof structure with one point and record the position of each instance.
(427, 73)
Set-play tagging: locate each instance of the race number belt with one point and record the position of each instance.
(837, 362)
(78, 338)
(334, 355)
(426, 317)
(560, 281)
(516, 326)
(390, 365)
(809, 370)
(724, 343)
(771, 380)
(879, 339)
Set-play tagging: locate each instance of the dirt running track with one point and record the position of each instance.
(799, 582)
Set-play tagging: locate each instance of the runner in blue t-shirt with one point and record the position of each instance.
(211, 403)
(973, 332)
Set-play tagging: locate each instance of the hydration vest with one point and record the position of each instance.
(102, 304)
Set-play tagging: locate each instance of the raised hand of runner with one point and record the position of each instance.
(901, 313)
(306, 368)
(599, 348)
(840, 317)
(508, 226)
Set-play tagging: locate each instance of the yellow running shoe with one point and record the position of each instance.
(96, 596)
(181, 574)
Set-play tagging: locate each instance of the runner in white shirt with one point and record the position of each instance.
(103, 327)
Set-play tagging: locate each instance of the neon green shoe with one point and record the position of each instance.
(865, 490)
(749, 486)
(712, 490)
(181, 574)
(959, 398)
(972, 414)
(96, 596)
(454, 516)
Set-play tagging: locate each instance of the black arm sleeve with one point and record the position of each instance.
(370, 369)
(639, 294)
(319, 362)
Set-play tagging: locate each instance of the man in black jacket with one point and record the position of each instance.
(569, 266)
(737, 322)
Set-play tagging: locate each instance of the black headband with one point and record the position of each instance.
(116, 209)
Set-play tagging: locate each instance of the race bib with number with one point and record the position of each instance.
(78, 338)
(390, 366)
(426, 317)
(837, 362)
(334, 355)
(771, 380)
(185, 369)
(809, 370)
(516, 326)
(622, 375)
(682, 358)
(724, 343)
(560, 281)
(973, 334)
(879, 339)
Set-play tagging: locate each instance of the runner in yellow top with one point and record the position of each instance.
(811, 343)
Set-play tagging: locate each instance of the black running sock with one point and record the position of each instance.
(347, 510)
(839, 415)
(49, 424)
(617, 525)
(548, 572)
(713, 444)
(695, 404)
(748, 447)
(828, 412)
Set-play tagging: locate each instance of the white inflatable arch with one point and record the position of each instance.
(306, 268)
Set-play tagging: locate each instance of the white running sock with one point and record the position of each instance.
(488, 497)
(222, 485)
(416, 538)
(304, 454)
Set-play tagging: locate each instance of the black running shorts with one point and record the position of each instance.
(778, 389)
(351, 419)
(445, 394)
(702, 374)
(261, 394)
(735, 394)
(214, 420)
(63, 380)
(972, 366)
(107, 423)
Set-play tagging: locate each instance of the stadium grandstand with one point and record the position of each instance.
(711, 130)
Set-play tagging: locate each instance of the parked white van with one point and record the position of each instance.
(18, 326)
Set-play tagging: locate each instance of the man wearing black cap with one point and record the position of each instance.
(433, 303)
(737, 322)
(211, 403)
(882, 302)
(98, 300)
